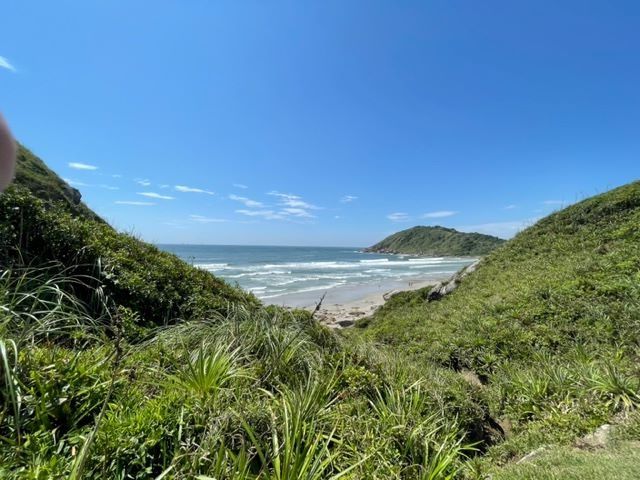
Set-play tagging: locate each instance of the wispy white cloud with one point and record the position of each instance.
(164, 186)
(511, 207)
(292, 206)
(289, 207)
(203, 219)
(348, 199)
(440, 214)
(247, 202)
(132, 202)
(4, 63)
(185, 189)
(144, 182)
(82, 166)
(293, 201)
(75, 183)
(266, 214)
(398, 217)
(155, 195)
(296, 212)
(116, 175)
(240, 185)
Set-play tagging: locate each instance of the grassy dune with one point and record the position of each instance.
(549, 323)
(249, 394)
(120, 361)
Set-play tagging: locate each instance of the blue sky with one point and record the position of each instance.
(325, 123)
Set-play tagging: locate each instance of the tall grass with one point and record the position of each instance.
(209, 369)
(431, 447)
(260, 394)
(39, 313)
(10, 393)
(37, 304)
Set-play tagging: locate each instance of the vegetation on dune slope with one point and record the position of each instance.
(255, 395)
(153, 286)
(44, 222)
(550, 323)
(619, 459)
(99, 380)
(437, 241)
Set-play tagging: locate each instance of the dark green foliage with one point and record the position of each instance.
(437, 241)
(154, 285)
(43, 221)
(251, 395)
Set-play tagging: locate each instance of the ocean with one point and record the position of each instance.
(278, 273)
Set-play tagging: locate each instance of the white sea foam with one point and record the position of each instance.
(258, 274)
(212, 266)
(346, 276)
(277, 268)
(271, 293)
(296, 280)
(311, 289)
(298, 266)
(297, 274)
(433, 272)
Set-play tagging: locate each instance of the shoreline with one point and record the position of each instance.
(341, 307)
(346, 314)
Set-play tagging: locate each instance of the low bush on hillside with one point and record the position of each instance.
(245, 394)
(155, 286)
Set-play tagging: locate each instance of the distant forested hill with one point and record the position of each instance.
(437, 241)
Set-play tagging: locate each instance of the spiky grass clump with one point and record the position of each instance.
(260, 394)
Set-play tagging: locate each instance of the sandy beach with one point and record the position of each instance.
(341, 307)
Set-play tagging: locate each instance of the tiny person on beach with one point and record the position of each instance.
(7, 155)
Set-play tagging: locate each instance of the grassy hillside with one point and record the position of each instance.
(120, 361)
(549, 323)
(437, 241)
(43, 222)
(154, 287)
(100, 379)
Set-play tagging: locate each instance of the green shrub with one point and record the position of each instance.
(156, 286)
